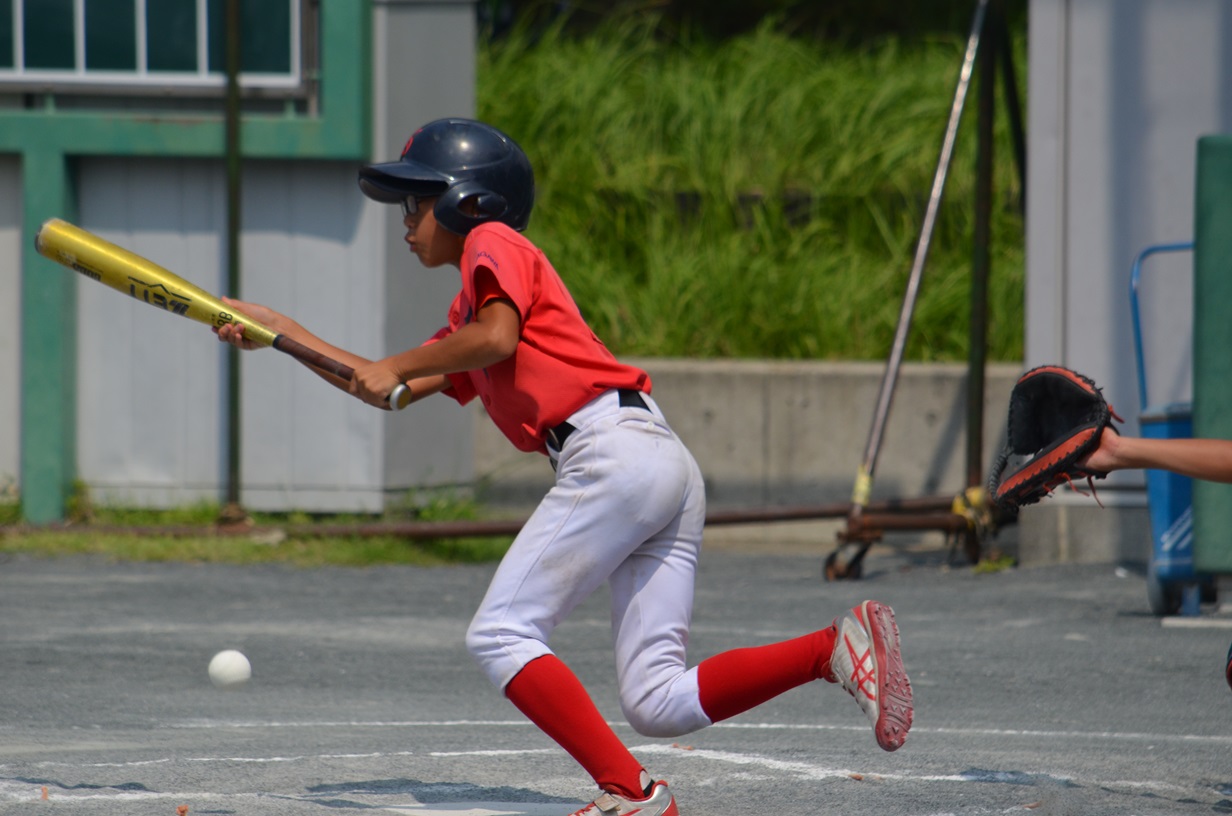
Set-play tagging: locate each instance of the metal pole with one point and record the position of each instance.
(1134, 274)
(1013, 104)
(864, 479)
(233, 512)
(977, 340)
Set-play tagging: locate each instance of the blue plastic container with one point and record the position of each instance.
(1172, 584)
(1169, 496)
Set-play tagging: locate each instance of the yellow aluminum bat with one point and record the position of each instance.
(104, 262)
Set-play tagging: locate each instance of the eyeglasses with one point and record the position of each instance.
(410, 205)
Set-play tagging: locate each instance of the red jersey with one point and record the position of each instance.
(559, 364)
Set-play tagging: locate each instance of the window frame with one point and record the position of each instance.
(295, 83)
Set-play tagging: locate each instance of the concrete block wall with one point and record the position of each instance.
(793, 433)
(769, 433)
(11, 245)
(1070, 528)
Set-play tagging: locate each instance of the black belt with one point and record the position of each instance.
(628, 399)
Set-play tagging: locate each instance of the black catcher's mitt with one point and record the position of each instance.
(1056, 418)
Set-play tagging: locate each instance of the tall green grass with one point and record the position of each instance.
(755, 197)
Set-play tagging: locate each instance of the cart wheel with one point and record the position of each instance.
(842, 565)
(1164, 598)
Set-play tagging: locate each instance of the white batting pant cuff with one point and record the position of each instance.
(671, 711)
(502, 657)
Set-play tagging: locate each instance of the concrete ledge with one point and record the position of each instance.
(769, 433)
(1074, 529)
(793, 433)
(781, 433)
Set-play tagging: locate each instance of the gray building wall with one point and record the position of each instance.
(1119, 93)
(423, 69)
(10, 323)
(151, 419)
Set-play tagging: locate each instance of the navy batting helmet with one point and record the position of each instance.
(457, 159)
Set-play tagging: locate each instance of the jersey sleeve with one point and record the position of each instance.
(512, 274)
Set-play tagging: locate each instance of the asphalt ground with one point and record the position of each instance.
(1049, 690)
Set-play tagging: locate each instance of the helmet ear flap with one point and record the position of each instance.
(452, 215)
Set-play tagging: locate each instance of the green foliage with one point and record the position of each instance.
(202, 513)
(995, 563)
(305, 552)
(759, 196)
(851, 21)
(190, 534)
(79, 508)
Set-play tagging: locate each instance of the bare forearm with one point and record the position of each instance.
(490, 338)
(301, 335)
(469, 349)
(427, 386)
(421, 386)
(1208, 459)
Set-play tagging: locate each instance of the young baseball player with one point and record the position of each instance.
(628, 503)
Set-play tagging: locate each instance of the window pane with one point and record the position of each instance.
(6, 34)
(48, 33)
(111, 35)
(171, 35)
(265, 36)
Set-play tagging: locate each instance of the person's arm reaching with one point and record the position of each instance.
(1208, 459)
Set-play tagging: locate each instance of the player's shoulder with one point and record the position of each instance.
(494, 232)
(494, 245)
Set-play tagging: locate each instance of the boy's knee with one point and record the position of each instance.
(478, 640)
(658, 721)
(501, 652)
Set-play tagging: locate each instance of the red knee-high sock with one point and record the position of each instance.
(548, 693)
(736, 681)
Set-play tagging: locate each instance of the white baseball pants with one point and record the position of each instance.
(628, 508)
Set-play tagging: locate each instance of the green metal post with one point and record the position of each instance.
(232, 510)
(1212, 345)
(49, 343)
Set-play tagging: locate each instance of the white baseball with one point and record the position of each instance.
(229, 669)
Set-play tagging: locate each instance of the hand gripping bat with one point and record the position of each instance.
(124, 271)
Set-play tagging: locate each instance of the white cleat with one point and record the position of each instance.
(869, 665)
(658, 802)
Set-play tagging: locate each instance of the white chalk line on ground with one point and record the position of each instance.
(21, 792)
(807, 771)
(1134, 736)
(796, 768)
(15, 791)
(1181, 622)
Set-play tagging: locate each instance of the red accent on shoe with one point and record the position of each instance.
(895, 707)
(619, 805)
